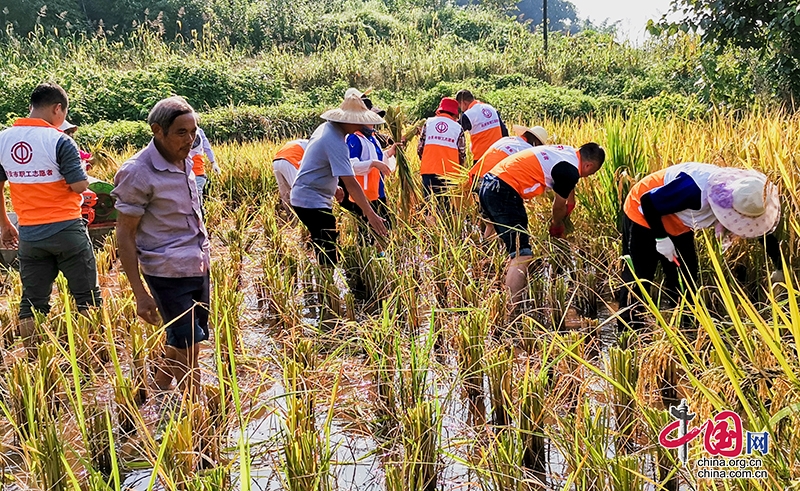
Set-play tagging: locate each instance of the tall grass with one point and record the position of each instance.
(567, 409)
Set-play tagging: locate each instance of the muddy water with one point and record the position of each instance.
(356, 464)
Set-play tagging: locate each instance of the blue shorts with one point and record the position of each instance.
(504, 208)
(183, 304)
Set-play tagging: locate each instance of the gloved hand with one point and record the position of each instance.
(777, 277)
(215, 168)
(557, 231)
(666, 248)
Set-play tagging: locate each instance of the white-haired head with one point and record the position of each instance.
(167, 110)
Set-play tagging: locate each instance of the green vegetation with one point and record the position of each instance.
(411, 56)
(424, 383)
(768, 29)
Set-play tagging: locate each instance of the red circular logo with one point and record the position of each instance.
(486, 113)
(441, 127)
(22, 153)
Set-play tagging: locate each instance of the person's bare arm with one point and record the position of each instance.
(357, 194)
(421, 143)
(559, 210)
(126, 241)
(9, 237)
(571, 202)
(79, 187)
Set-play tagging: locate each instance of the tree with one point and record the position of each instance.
(561, 14)
(119, 16)
(771, 27)
(25, 15)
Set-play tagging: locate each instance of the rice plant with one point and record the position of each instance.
(472, 334)
(623, 367)
(569, 409)
(499, 366)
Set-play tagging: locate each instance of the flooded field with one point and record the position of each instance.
(417, 378)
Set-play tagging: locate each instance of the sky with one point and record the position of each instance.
(632, 13)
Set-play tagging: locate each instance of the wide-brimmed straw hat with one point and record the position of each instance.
(539, 132)
(352, 111)
(744, 202)
(353, 90)
(66, 126)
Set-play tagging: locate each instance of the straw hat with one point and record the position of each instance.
(539, 132)
(744, 202)
(353, 92)
(357, 93)
(352, 111)
(66, 126)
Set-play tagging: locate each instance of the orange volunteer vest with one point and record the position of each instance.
(197, 156)
(529, 172)
(685, 220)
(371, 182)
(485, 127)
(499, 150)
(39, 193)
(440, 154)
(292, 152)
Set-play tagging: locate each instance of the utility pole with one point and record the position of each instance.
(544, 24)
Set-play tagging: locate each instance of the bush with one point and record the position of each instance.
(425, 104)
(546, 101)
(233, 123)
(205, 84)
(366, 22)
(115, 94)
(116, 135)
(16, 95)
(666, 104)
(247, 123)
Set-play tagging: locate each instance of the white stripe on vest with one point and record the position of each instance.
(482, 117)
(700, 174)
(511, 145)
(442, 131)
(28, 154)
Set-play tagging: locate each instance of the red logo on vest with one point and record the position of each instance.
(441, 127)
(486, 113)
(22, 153)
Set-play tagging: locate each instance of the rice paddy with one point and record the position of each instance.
(425, 382)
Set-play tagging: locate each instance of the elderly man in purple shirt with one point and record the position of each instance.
(160, 230)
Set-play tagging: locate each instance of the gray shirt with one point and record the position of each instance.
(171, 239)
(326, 159)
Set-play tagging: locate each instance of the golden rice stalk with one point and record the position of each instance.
(396, 120)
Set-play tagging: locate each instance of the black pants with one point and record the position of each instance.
(322, 225)
(435, 188)
(504, 208)
(183, 304)
(69, 251)
(639, 243)
(381, 208)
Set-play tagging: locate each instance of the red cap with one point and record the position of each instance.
(448, 105)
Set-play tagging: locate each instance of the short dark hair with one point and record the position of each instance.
(464, 95)
(593, 152)
(532, 139)
(49, 94)
(166, 111)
